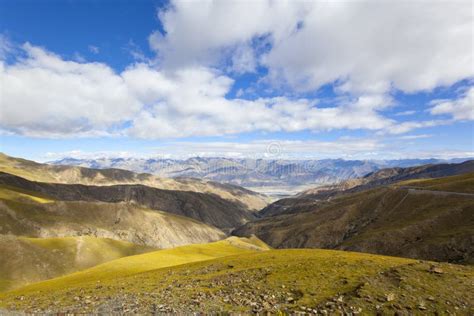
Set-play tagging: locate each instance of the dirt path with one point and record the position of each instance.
(418, 190)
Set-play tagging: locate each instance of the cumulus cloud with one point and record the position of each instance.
(363, 46)
(45, 95)
(461, 108)
(365, 49)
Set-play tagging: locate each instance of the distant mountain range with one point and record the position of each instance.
(253, 173)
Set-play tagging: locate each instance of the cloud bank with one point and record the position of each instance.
(366, 50)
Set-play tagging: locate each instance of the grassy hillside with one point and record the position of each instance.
(78, 175)
(24, 213)
(391, 176)
(124, 267)
(463, 183)
(392, 220)
(274, 280)
(16, 194)
(27, 260)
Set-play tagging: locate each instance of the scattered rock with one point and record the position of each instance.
(390, 297)
(435, 269)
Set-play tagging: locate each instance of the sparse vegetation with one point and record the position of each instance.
(463, 183)
(274, 280)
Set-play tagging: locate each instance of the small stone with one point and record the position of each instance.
(430, 298)
(290, 299)
(437, 270)
(390, 297)
(422, 306)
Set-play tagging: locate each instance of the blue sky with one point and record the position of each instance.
(179, 79)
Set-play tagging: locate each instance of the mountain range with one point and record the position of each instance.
(271, 176)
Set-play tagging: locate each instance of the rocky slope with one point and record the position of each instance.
(206, 208)
(78, 175)
(32, 214)
(399, 220)
(297, 281)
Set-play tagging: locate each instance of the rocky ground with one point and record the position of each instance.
(297, 285)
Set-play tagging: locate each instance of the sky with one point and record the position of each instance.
(261, 79)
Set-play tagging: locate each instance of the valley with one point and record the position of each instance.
(236, 157)
(103, 241)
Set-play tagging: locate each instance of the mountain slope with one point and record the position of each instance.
(389, 176)
(306, 199)
(394, 220)
(78, 175)
(207, 208)
(132, 265)
(27, 260)
(313, 281)
(21, 214)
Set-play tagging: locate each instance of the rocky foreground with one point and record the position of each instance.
(305, 281)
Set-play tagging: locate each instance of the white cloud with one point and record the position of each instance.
(404, 127)
(405, 113)
(270, 149)
(365, 46)
(346, 148)
(461, 108)
(6, 46)
(243, 59)
(44, 95)
(197, 32)
(420, 136)
(191, 102)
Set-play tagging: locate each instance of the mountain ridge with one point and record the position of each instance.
(34, 171)
(253, 173)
